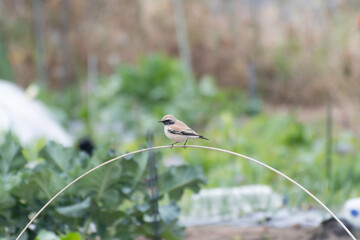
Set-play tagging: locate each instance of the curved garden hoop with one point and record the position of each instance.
(188, 146)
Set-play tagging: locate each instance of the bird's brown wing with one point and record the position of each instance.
(183, 129)
(179, 125)
(173, 131)
(186, 132)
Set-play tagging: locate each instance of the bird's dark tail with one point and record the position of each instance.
(203, 137)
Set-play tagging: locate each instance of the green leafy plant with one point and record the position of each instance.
(293, 147)
(48, 235)
(128, 102)
(112, 203)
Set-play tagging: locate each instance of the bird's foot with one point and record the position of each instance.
(185, 144)
(172, 145)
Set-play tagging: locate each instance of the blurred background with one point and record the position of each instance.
(84, 81)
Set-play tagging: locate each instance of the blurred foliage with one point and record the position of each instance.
(121, 119)
(48, 235)
(294, 148)
(135, 97)
(116, 111)
(114, 199)
(154, 82)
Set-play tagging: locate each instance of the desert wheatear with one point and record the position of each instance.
(178, 131)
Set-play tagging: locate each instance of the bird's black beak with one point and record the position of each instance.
(161, 121)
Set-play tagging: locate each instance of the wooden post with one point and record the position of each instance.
(152, 186)
(64, 46)
(91, 85)
(5, 67)
(329, 127)
(39, 41)
(183, 42)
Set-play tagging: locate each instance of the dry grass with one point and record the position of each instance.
(294, 45)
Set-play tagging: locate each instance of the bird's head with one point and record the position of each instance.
(168, 120)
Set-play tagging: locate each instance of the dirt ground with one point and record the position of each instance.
(251, 233)
(259, 233)
(328, 232)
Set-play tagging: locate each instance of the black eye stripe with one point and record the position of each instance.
(169, 122)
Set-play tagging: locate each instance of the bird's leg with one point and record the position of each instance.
(172, 145)
(185, 143)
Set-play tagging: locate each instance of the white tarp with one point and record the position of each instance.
(27, 118)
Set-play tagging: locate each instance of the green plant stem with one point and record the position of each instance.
(328, 167)
(87, 225)
(103, 185)
(189, 146)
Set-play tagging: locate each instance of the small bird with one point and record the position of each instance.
(178, 131)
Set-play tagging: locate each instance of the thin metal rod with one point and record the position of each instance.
(189, 146)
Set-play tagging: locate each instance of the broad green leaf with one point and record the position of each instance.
(59, 156)
(71, 236)
(176, 179)
(133, 170)
(100, 155)
(169, 212)
(110, 198)
(11, 158)
(23, 237)
(76, 210)
(6, 201)
(129, 166)
(31, 152)
(172, 231)
(46, 235)
(13, 180)
(143, 207)
(102, 182)
(109, 217)
(141, 168)
(26, 191)
(47, 182)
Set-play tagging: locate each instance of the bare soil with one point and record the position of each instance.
(328, 232)
(251, 233)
